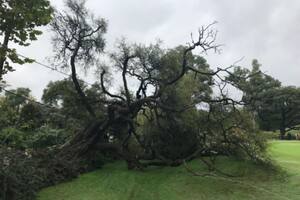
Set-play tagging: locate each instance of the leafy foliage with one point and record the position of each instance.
(276, 107)
(280, 109)
(234, 132)
(19, 20)
(13, 137)
(174, 132)
(47, 137)
(77, 33)
(23, 173)
(71, 113)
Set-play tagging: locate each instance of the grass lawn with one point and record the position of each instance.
(115, 182)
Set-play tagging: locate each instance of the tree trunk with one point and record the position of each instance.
(86, 140)
(282, 133)
(3, 53)
(77, 85)
(283, 124)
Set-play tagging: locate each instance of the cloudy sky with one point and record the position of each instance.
(267, 30)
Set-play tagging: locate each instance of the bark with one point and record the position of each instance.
(77, 85)
(283, 124)
(282, 133)
(86, 140)
(3, 57)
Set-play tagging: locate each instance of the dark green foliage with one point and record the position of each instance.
(71, 113)
(19, 20)
(234, 132)
(17, 98)
(29, 136)
(31, 117)
(13, 137)
(26, 124)
(253, 82)
(47, 137)
(17, 175)
(83, 34)
(274, 106)
(171, 137)
(80, 44)
(7, 114)
(18, 111)
(185, 123)
(174, 132)
(23, 173)
(41, 138)
(279, 109)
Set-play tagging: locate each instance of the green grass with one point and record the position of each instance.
(115, 182)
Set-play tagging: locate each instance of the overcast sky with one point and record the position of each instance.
(267, 30)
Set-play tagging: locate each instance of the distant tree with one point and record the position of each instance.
(8, 115)
(70, 111)
(279, 108)
(19, 20)
(16, 110)
(275, 107)
(253, 83)
(31, 117)
(17, 98)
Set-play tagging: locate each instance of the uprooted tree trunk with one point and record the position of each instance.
(85, 140)
(93, 138)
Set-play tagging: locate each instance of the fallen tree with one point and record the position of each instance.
(156, 71)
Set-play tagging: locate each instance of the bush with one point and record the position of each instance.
(18, 177)
(233, 132)
(47, 137)
(270, 135)
(42, 137)
(23, 173)
(247, 144)
(13, 137)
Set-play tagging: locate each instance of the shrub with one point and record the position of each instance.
(42, 137)
(46, 137)
(23, 173)
(18, 178)
(13, 137)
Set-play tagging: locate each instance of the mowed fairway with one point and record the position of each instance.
(287, 154)
(115, 182)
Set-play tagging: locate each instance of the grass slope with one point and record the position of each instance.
(115, 182)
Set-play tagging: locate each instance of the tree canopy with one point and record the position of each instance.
(19, 20)
(78, 39)
(275, 107)
(279, 109)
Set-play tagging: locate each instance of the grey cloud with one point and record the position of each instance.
(267, 30)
